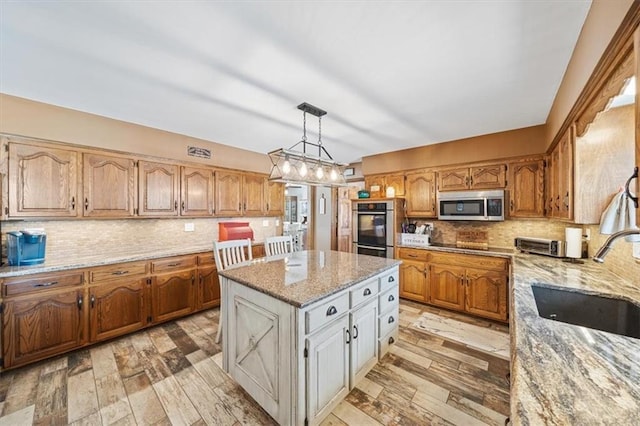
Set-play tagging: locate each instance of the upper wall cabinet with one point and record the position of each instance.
(253, 194)
(228, 193)
(197, 192)
(421, 194)
(384, 181)
(526, 188)
(479, 177)
(109, 186)
(159, 186)
(275, 198)
(559, 173)
(43, 181)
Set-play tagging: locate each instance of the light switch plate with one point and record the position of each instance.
(189, 227)
(636, 250)
(265, 223)
(277, 222)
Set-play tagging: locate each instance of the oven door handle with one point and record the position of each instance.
(371, 247)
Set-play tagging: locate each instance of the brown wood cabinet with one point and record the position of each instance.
(275, 198)
(486, 293)
(208, 295)
(173, 288)
(254, 194)
(476, 177)
(414, 274)
(159, 186)
(447, 286)
(43, 181)
(117, 308)
(109, 186)
(228, 193)
(526, 188)
(383, 181)
(560, 178)
(420, 194)
(196, 192)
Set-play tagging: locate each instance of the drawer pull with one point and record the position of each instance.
(49, 284)
(174, 264)
(412, 255)
(348, 337)
(391, 320)
(391, 340)
(366, 292)
(391, 279)
(93, 301)
(391, 298)
(119, 272)
(332, 311)
(80, 303)
(355, 332)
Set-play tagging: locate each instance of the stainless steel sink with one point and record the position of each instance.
(598, 312)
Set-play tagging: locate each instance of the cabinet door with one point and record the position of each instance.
(565, 175)
(209, 291)
(253, 191)
(42, 181)
(453, 179)
(413, 281)
(196, 192)
(526, 189)
(275, 199)
(109, 186)
(228, 193)
(395, 181)
(117, 309)
(173, 295)
(327, 366)
(446, 286)
(159, 189)
(375, 180)
(488, 177)
(486, 294)
(550, 184)
(41, 327)
(420, 194)
(364, 341)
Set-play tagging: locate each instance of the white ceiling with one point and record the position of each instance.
(391, 74)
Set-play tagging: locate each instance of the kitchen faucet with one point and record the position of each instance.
(602, 251)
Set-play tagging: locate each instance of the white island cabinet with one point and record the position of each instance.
(302, 330)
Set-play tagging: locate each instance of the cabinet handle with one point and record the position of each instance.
(391, 320)
(391, 340)
(174, 264)
(412, 255)
(49, 284)
(245, 206)
(193, 279)
(348, 337)
(366, 292)
(331, 311)
(470, 180)
(119, 272)
(391, 298)
(355, 332)
(73, 203)
(511, 205)
(175, 205)
(86, 204)
(391, 279)
(80, 303)
(508, 377)
(182, 206)
(93, 301)
(239, 206)
(267, 206)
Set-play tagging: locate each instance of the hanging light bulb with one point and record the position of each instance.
(286, 166)
(334, 174)
(319, 171)
(303, 169)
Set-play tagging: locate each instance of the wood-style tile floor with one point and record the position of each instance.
(171, 374)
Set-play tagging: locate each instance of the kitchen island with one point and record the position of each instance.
(301, 330)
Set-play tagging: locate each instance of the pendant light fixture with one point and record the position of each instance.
(306, 162)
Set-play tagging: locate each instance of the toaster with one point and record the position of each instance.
(554, 248)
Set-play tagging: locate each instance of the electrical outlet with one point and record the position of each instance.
(636, 250)
(189, 227)
(265, 223)
(277, 222)
(587, 234)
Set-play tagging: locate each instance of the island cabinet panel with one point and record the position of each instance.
(364, 341)
(43, 181)
(40, 326)
(117, 308)
(159, 186)
(420, 194)
(109, 186)
(327, 364)
(196, 192)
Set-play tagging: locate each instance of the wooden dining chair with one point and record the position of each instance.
(278, 245)
(227, 255)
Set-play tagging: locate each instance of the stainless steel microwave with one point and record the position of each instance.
(471, 205)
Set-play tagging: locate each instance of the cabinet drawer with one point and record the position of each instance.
(388, 321)
(13, 286)
(326, 312)
(386, 341)
(389, 280)
(117, 271)
(413, 254)
(173, 264)
(388, 300)
(471, 261)
(206, 259)
(363, 292)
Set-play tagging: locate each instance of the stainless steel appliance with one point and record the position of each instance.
(554, 248)
(471, 205)
(374, 227)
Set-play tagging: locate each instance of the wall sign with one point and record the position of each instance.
(194, 151)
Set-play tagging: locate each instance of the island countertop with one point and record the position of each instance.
(304, 277)
(563, 374)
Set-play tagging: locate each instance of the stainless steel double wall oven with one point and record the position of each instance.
(374, 226)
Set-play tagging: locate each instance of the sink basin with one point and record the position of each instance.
(601, 313)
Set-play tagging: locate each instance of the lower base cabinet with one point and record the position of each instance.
(173, 295)
(117, 309)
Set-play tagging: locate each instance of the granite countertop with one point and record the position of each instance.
(304, 277)
(563, 374)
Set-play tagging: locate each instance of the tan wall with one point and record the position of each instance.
(529, 140)
(603, 20)
(23, 117)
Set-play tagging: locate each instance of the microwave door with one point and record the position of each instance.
(473, 208)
